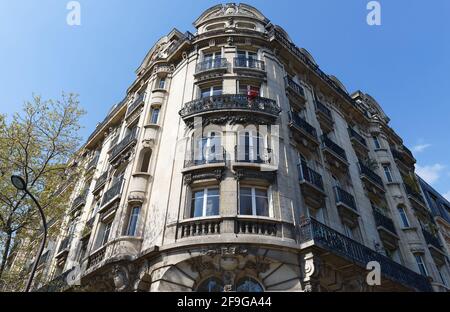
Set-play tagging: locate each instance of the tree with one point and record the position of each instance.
(36, 144)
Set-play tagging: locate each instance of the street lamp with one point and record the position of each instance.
(20, 184)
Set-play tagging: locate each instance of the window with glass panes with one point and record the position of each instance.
(211, 91)
(387, 172)
(252, 147)
(253, 201)
(205, 202)
(246, 58)
(421, 264)
(154, 115)
(106, 232)
(209, 148)
(134, 217)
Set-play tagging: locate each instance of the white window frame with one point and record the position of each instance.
(421, 264)
(388, 172)
(107, 227)
(253, 136)
(153, 109)
(253, 194)
(376, 142)
(131, 219)
(205, 201)
(402, 213)
(211, 90)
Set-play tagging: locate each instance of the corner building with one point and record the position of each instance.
(236, 164)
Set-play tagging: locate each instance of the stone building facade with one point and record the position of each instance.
(235, 163)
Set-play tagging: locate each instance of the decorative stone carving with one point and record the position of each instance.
(310, 270)
(121, 278)
(189, 178)
(242, 174)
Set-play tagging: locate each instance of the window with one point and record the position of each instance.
(208, 149)
(106, 232)
(248, 59)
(154, 115)
(403, 217)
(252, 147)
(162, 83)
(253, 201)
(376, 142)
(388, 173)
(211, 284)
(348, 231)
(205, 202)
(442, 274)
(249, 90)
(146, 155)
(132, 225)
(421, 264)
(211, 91)
(248, 284)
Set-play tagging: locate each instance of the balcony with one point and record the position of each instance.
(416, 199)
(311, 185)
(359, 143)
(345, 203)
(123, 146)
(101, 181)
(213, 159)
(303, 132)
(80, 200)
(370, 178)
(252, 155)
(334, 153)
(257, 226)
(432, 241)
(198, 227)
(217, 65)
(112, 194)
(96, 257)
(324, 116)
(329, 241)
(295, 93)
(226, 104)
(93, 163)
(403, 157)
(386, 228)
(249, 64)
(137, 103)
(63, 249)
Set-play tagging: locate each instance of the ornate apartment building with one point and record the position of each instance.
(235, 163)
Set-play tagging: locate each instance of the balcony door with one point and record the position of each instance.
(208, 149)
(212, 60)
(247, 59)
(252, 147)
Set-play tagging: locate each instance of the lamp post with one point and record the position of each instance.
(20, 184)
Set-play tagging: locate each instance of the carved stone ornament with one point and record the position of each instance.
(121, 278)
(189, 178)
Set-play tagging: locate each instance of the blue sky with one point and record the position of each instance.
(404, 63)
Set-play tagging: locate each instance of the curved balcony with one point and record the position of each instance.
(212, 160)
(249, 64)
(219, 65)
(226, 104)
(198, 227)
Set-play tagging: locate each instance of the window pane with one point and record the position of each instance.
(155, 115)
(245, 205)
(246, 191)
(217, 90)
(197, 204)
(133, 221)
(248, 285)
(205, 92)
(261, 193)
(262, 206)
(212, 206)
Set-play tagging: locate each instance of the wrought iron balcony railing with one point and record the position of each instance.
(247, 154)
(112, 192)
(324, 110)
(93, 163)
(100, 181)
(122, 145)
(242, 62)
(80, 200)
(309, 175)
(375, 178)
(339, 244)
(355, 135)
(414, 194)
(431, 239)
(344, 198)
(212, 158)
(230, 102)
(384, 221)
(212, 64)
(328, 143)
(138, 102)
(303, 124)
(290, 83)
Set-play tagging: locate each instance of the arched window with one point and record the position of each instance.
(145, 162)
(248, 284)
(211, 284)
